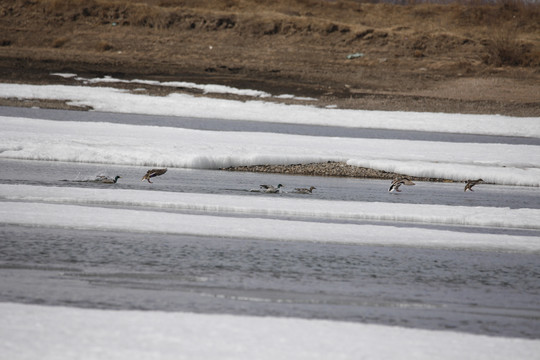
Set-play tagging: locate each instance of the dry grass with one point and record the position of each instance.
(504, 48)
(164, 14)
(103, 46)
(501, 33)
(290, 46)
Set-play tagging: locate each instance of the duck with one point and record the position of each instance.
(271, 188)
(470, 183)
(305, 190)
(397, 182)
(107, 180)
(152, 173)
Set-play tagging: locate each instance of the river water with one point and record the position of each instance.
(483, 292)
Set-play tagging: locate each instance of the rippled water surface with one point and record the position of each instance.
(479, 292)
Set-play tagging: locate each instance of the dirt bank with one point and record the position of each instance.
(442, 58)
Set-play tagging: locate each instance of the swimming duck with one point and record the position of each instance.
(271, 188)
(397, 182)
(152, 173)
(107, 180)
(305, 190)
(470, 183)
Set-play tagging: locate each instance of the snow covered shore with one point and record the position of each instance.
(87, 218)
(33, 331)
(212, 204)
(121, 144)
(117, 100)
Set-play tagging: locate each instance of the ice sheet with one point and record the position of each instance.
(316, 210)
(109, 219)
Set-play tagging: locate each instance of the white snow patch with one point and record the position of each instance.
(31, 332)
(108, 219)
(205, 88)
(115, 100)
(269, 206)
(65, 75)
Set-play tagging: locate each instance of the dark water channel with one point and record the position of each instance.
(469, 291)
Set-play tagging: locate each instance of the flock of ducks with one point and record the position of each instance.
(149, 174)
(271, 189)
(397, 182)
(394, 186)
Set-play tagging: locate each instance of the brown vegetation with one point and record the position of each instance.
(60, 41)
(411, 53)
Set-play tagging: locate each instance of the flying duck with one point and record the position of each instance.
(470, 183)
(152, 173)
(397, 182)
(305, 190)
(271, 188)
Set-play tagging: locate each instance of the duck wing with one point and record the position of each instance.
(470, 184)
(152, 173)
(395, 185)
(156, 172)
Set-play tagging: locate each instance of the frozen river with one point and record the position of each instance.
(467, 290)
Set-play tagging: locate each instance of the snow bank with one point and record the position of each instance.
(108, 219)
(272, 206)
(41, 332)
(116, 100)
(205, 88)
(122, 144)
